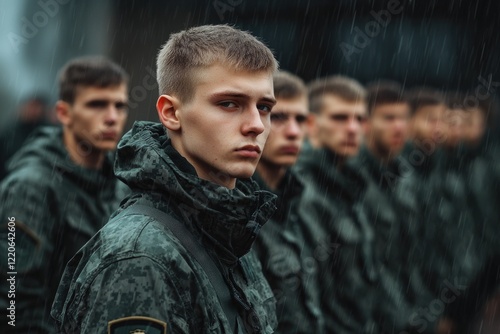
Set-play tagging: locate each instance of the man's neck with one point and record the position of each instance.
(271, 174)
(339, 160)
(82, 154)
(384, 157)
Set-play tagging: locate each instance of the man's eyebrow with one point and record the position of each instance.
(97, 101)
(240, 95)
(289, 111)
(94, 102)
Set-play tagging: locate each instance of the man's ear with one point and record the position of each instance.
(63, 112)
(167, 107)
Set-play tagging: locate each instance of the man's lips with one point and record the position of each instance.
(109, 135)
(290, 149)
(350, 143)
(249, 151)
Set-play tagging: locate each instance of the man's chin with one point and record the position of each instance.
(350, 152)
(287, 162)
(244, 174)
(106, 148)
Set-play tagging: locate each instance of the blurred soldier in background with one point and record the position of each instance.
(390, 205)
(334, 219)
(61, 189)
(33, 112)
(427, 130)
(280, 245)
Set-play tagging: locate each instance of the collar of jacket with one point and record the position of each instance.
(227, 219)
(347, 183)
(288, 189)
(383, 174)
(45, 149)
(483, 147)
(454, 159)
(423, 161)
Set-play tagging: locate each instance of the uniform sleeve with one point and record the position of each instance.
(133, 287)
(28, 214)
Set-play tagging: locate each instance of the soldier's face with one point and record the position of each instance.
(388, 128)
(475, 123)
(427, 123)
(224, 126)
(97, 117)
(288, 129)
(454, 119)
(339, 125)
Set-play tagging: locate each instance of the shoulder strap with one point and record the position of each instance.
(197, 251)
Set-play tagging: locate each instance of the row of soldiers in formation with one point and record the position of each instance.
(398, 215)
(386, 218)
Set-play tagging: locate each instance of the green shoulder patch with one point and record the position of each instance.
(137, 325)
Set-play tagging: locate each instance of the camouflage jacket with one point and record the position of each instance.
(57, 207)
(136, 267)
(289, 269)
(342, 242)
(460, 234)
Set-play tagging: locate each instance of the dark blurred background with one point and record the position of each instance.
(444, 44)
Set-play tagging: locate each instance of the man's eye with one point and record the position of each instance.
(97, 104)
(278, 117)
(121, 106)
(300, 119)
(228, 104)
(361, 119)
(264, 107)
(340, 118)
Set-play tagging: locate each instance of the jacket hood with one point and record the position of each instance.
(45, 149)
(228, 218)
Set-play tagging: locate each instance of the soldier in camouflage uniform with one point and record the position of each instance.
(335, 225)
(389, 205)
(426, 134)
(480, 153)
(61, 188)
(195, 166)
(290, 271)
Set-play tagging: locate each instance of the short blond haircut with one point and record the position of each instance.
(204, 46)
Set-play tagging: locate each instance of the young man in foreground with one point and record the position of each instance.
(138, 273)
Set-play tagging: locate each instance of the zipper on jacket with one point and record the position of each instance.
(249, 311)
